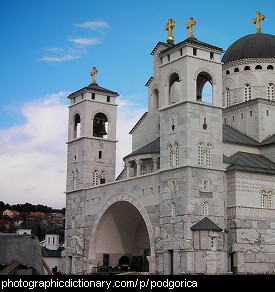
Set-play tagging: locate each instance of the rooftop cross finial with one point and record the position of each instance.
(257, 20)
(93, 75)
(169, 26)
(190, 27)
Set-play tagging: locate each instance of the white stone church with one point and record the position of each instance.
(197, 193)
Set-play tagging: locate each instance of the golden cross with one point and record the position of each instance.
(93, 75)
(257, 20)
(190, 27)
(169, 26)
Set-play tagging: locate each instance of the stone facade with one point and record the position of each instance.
(177, 207)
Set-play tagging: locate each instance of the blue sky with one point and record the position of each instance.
(48, 49)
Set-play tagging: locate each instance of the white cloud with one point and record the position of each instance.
(94, 25)
(59, 58)
(33, 155)
(85, 41)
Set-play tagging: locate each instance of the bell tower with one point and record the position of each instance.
(91, 156)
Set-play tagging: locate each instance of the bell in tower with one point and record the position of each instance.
(99, 128)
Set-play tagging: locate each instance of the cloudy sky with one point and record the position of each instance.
(48, 48)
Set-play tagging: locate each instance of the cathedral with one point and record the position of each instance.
(197, 192)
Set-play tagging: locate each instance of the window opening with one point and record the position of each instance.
(205, 88)
(247, 92)
(99, 125)
(270, 91)
(77, 126)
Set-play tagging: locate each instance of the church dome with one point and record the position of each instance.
(258, 45)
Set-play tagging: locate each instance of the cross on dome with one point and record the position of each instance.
(169, 27)
(258, 19)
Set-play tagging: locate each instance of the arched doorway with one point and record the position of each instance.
(122, 230)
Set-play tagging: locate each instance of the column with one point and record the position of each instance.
(128, 168)
(138, 163)
(155, 161)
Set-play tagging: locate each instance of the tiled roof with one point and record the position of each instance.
(152, 147)
(251, 162)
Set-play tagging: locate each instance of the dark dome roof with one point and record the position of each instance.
(52, 230)
(258, 45)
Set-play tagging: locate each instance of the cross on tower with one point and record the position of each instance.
(257, 20)
(190, 27)
(169, 26)
(93, 75)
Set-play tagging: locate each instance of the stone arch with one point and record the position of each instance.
(127, 201)
(203, 78)
(173, 84)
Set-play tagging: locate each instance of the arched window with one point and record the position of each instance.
(246, 68)
(156, 99)
(74, 176)
(76, 126)
(100, 124)
(174, 89)
(208, 155)
(227, 72)
(170, 148)
(205, 88)
(177, 153)
(266, 199)
(200, 153)
(236, 70)
(258, 67)
(205, 208)
(173, 209)
(95, 178)
(270, 67)
(102, 177)
(247, 92)
(228, 97)
(270, 91)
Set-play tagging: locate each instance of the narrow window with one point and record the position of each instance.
(108, 98)
(251, 113)
(247, 92)
(228, 97)
(95, 178)
(270, 91)
(176, 154)
(168, 57)
(263, 199)
(93, 96)
(195, 51)
(269, 200)
(170, 155)
(100, 154)
(205, 208)
(173, 209)
(267, 112)
(102, 177)
(233, 118)
(242, 116)
(208, 155)
(200, 153)
(211, 56)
